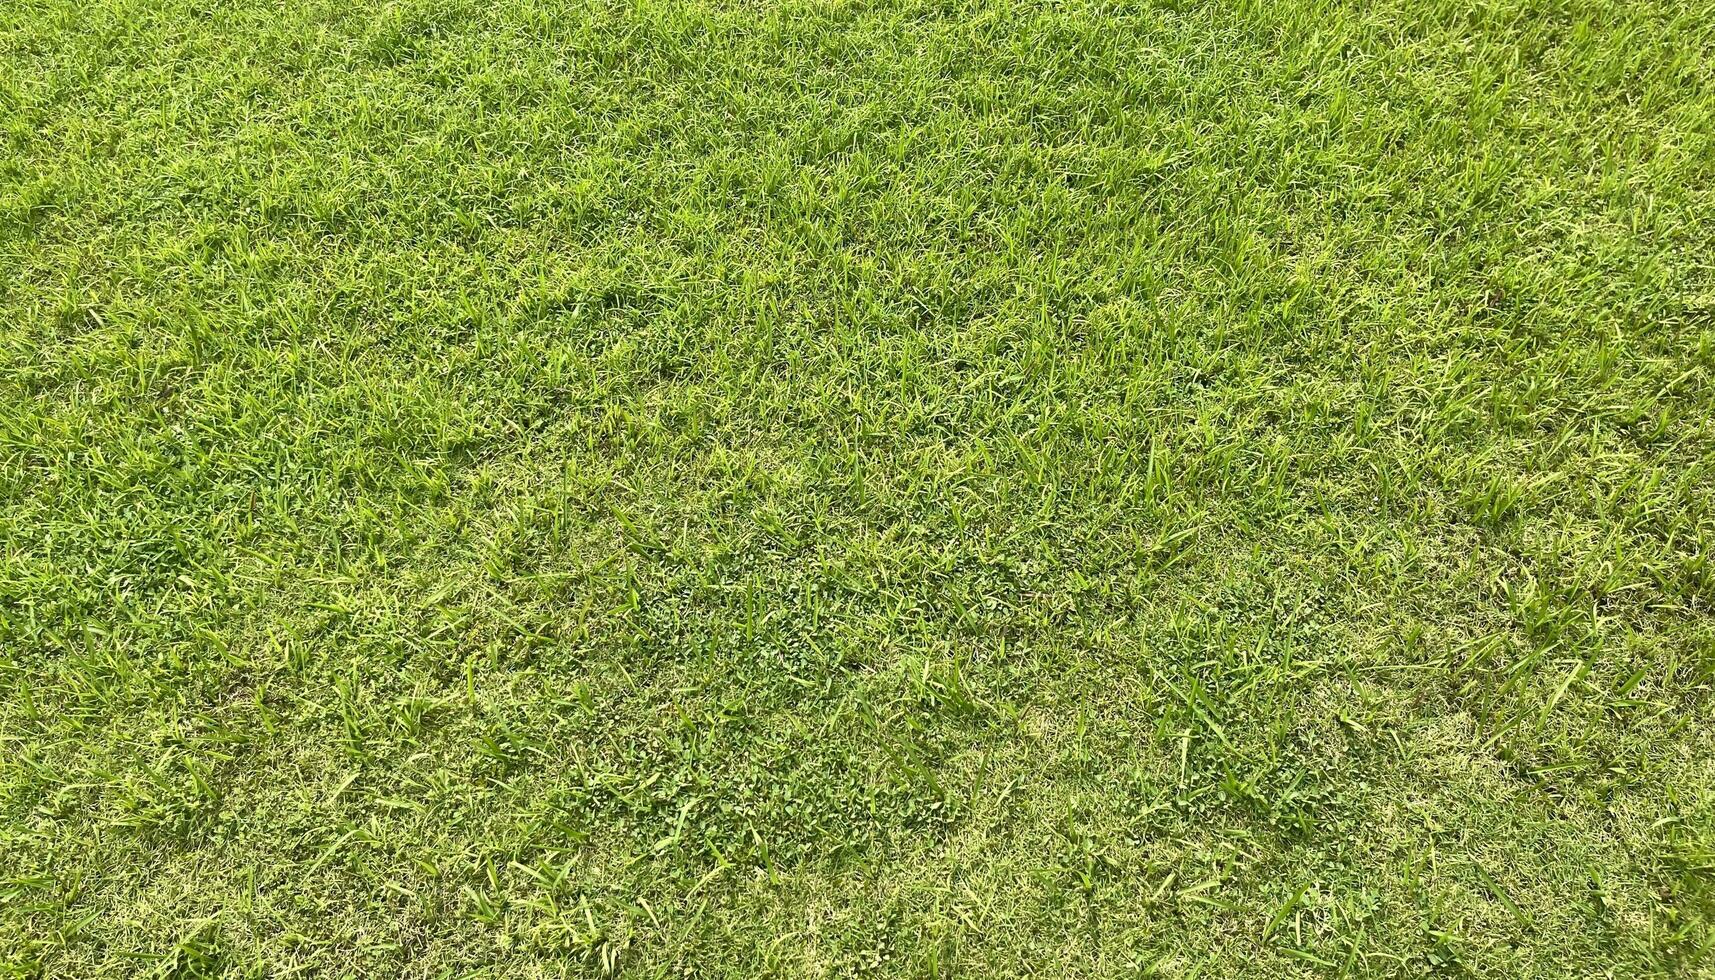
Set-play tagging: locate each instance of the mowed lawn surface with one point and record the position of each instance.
(526, 488)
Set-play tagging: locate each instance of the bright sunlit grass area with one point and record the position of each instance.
(541, 488)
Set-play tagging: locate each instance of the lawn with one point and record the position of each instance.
(567, 488)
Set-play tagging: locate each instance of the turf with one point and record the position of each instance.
(538, 488)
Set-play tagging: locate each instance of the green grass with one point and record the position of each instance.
(538, 488)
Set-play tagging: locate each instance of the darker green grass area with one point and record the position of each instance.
(538, 489)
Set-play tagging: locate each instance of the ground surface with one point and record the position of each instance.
(529, 488)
